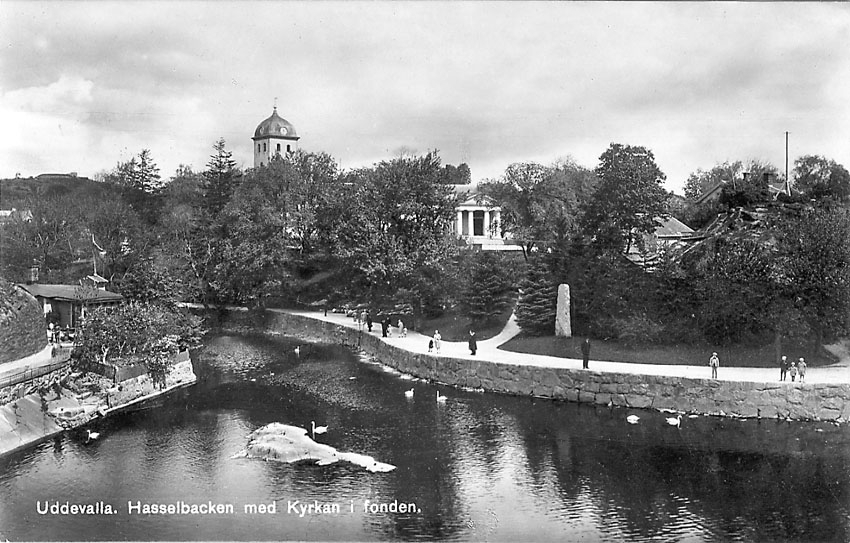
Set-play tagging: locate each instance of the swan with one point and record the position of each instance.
(632, 419)
(440, 398)
(298, 351)
(317, 429)
(92, 435)
(675, 421)
(409, 393)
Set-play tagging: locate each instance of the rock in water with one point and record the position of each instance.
(290, 444)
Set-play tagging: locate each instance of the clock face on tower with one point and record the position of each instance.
(283, 130)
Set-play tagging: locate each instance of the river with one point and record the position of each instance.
(477, 467)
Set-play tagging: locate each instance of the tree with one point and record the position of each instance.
(141, 184)
(219, 179)
(539, 204)
(399, 239)
(700, 181)
(489, 290)
(252, 258)
(537, 302)
(820, 178)
(629, 199)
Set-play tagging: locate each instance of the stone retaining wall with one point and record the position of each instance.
(23, 330)
(797, 401)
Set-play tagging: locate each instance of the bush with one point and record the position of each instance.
(638, 330)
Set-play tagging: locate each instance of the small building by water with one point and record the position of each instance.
(69, 302)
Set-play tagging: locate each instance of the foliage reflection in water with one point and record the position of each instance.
(478, 467)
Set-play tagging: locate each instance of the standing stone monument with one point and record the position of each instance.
(563, 327)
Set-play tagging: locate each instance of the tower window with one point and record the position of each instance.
(258, 148)
(264, 147)
(278, 147)
(288, 150)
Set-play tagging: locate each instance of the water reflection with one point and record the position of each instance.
(479, 467)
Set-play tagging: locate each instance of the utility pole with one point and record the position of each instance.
(787, 179)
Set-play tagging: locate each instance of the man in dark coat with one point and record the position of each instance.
(783, 368)
(385, 324)
(585, 353)
(369, 320)
(473, 345)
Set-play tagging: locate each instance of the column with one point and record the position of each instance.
(470, 223)
(497, 218)
(487, 223)
(459, 223)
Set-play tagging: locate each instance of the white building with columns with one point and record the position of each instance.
(479, 221)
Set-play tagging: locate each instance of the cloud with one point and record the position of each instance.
(486, 83)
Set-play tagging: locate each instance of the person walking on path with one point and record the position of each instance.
(437, 338)
(585, 353)
(792, 371)
(473, 344)
(783, 368)
(385, 323)
(369, 321)
(801, 367)
(714, 362)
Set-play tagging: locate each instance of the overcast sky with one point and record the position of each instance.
(84, 85)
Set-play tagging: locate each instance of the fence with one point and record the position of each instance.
(28, 375)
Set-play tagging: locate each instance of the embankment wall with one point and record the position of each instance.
(796, 401)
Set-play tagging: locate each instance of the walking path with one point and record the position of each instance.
(31, 362)
(488, 350)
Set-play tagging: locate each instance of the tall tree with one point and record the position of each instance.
(820, 178)
(629, 199)
(220, 179)
(539, 204)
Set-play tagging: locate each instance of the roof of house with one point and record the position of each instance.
(71, 293)
(673, 227)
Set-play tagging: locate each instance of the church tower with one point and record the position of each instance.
(274, 136)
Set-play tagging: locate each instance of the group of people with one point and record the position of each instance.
(793, 369)
(786, 368)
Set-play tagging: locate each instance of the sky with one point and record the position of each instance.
(85, 85)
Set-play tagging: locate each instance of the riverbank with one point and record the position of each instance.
(67, 400)
(739, 392)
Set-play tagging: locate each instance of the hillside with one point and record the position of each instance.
(17, 192)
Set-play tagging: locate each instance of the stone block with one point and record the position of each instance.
(563, 325)
(572, 394)
(585, 397)
(639, 401)
(602, 398)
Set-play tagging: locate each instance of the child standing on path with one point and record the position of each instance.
(714, 362)
(437, 338)
(792, 371)
(801, 367)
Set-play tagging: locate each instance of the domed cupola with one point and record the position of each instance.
(274, 136)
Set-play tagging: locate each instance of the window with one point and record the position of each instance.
(288, 150)
(258, 148)
(278, 148)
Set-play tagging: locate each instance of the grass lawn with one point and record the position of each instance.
(456, 328)
(613, 351)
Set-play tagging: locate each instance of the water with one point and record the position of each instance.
(479, 467)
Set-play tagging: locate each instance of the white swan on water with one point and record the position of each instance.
(632, 419)
(298, 351)
(440, 398)
(92, 435)
(675, 421)
(317, 429)
(408, 393)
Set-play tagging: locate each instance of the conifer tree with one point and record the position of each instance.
(537, 301)
(489, 290)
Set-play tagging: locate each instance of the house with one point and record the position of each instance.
(670, 233)
(11, 215)
(479, 221)
(70, 302)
